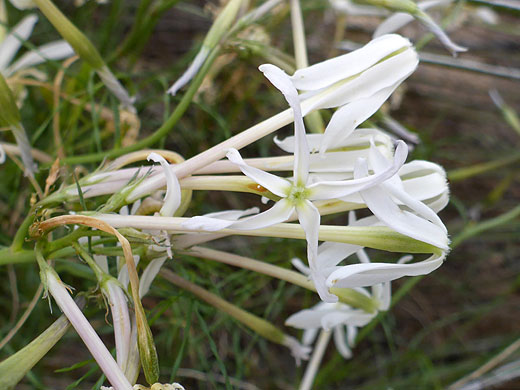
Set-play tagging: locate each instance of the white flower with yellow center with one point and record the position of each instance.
(297, 194)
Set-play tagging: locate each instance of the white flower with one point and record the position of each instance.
(358, 82)
(298, 194)
(366, 273)
(342, 319)
(338, 317)
(56, 50)
(424, 226)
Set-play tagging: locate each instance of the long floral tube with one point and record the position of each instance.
(372, 237)
(347, 296)
(87, 333)
(259, 325)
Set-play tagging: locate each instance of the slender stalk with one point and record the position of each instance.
(300, 48)
(21, 233)
(147, 351)
(481, 227)
(257, 324)
(215, 153)
(488, 366)
(314, 364)
(377, 237)
(478, 169)
(345, 295)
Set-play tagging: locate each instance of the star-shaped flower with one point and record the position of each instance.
(297, 194)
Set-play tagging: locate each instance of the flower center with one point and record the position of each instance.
(297, 193)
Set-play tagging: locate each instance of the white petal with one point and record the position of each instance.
(383, 293)
(50, 51)
(298, 351)
(350, 8)
(382, 75)
(346, 316)
(332, 253)
(404, 222)
(190, 72)
(233, 215)
(439, 203)
(426, 187)
(301, 155)
(362, 256)
(280, 212)
(309, 335)
(273, 183)
(452, 47)
(348, 117)
(23, 4)
(351, 335)
(395, 187)
(298, 264)
(359, 275)
(12, 42)
(2, 155)
(341, 343)
(206, 223)
(328, 72)
(309, 218)
(392, 24)
(337, 189)
(172, 199)
(149, 274)
(305, 319)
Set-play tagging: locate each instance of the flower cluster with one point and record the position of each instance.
(347, 167)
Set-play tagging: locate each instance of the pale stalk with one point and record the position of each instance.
(36, 153)
(215, 153)
(113, 292)
(3, 20)
(259, 325)
(313, 120)
(87, 333)
(147, 351)
(226, 183)
(347, 296)
(314, 363)
(377, 237)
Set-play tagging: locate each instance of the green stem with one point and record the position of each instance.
(257, 324)
(8, 256)
(346, 295)
(477, 169)
(481, 227)
(19, 237)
